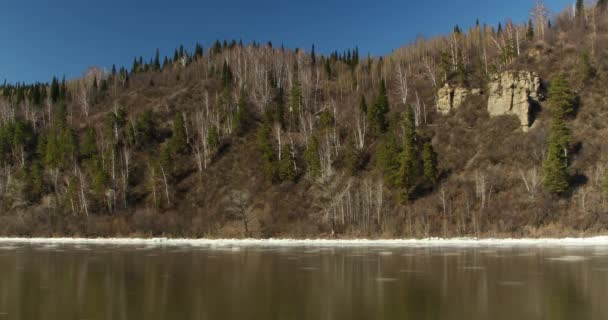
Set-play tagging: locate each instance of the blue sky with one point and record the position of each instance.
(42, 38)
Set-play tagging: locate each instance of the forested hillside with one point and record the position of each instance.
(262, 141)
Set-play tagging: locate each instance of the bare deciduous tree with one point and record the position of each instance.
(238, 203)
(401, 83)
(540, 14)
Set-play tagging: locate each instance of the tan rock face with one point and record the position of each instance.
(449, 98)
(460, 95)
(444, 99)
(512, 93)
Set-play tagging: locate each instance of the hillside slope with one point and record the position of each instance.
(266, 142)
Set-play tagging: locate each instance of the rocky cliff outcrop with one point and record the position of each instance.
(514, 93)
(451, 98)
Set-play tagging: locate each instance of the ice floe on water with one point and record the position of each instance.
(319, 243)
(384, 279)
(569, 259)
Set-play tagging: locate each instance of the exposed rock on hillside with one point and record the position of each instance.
(444, 99)
(451, 98)
(514, 93)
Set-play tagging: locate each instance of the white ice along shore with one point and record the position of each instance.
(396, 243)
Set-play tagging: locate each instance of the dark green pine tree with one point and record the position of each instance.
(561, 97)
(226, 74)
(55, 90)
(179, 140)
(352, 157)
(530, 31)
(63, 89)
(5, 144)
(287, 170)
(157, 61)
(23, 136)
(313, 56)
(265, 147)
(601, 4)
(312, 158)
(146, 129)
(217, 47)
(356, 56)
(429, 161)
(35, 182)
(35, 96)
(88, 145)
(556, 178)
(376, 115)
(294, 105)
(279, 110)
(213, 138)
(409, 153)
(387, 159)
(100, 178)
(241, 117)
(198, 51)
(328, 67)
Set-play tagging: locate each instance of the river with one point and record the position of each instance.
(146, 281)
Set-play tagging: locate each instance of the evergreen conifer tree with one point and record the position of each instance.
(555, 167)
(287, 171)
(241, 116)
(198, 51)
(352, 157)
(55, 90)
(429, 160)
(312, 158)
(561, 96)
(179, 142)
(530, 31)
(265, 147)
(88, 145)
(279, 112)
(376, 115)
(387, 159)
(294, 105)
(157, 61)
(409, 153)
(213, 138)
(226, 74)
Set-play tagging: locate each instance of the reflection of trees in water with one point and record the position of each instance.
(259, 283)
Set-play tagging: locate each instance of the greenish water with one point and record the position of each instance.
(112, 282)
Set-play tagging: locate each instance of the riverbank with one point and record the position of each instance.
(429, 242)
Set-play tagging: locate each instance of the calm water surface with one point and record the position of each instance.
(113, 282)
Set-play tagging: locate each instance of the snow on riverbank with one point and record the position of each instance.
(431, 242)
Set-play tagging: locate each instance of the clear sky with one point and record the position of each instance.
(42, 38)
